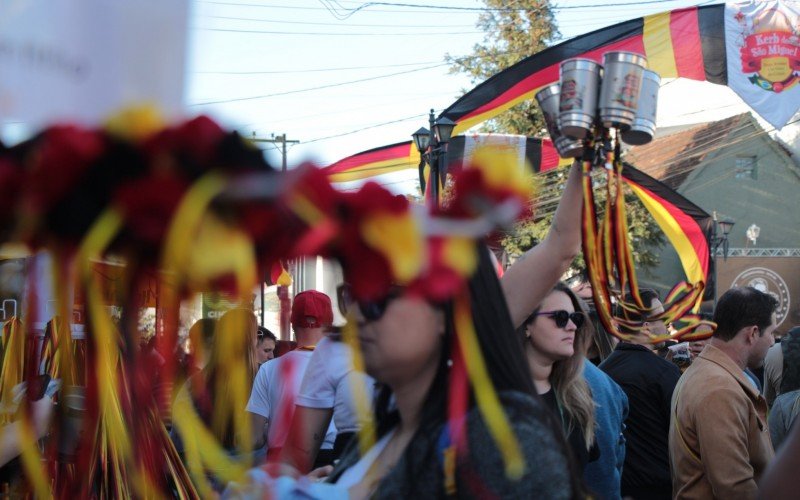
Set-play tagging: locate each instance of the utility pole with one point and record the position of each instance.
(280, 139)
(283, 291)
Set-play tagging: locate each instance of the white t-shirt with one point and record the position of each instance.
(329, 383)
(276, 385)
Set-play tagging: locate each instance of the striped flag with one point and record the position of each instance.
(687, 43)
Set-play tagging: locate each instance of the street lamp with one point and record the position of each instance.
(720, 229)
(432, 146)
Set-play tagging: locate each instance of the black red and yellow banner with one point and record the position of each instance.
(377, 161)
(687, 43)
(540, 154)
(685, 225)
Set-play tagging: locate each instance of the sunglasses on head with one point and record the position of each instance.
(561, 317)
(371, 310)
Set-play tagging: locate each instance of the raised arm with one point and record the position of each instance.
(530, 279)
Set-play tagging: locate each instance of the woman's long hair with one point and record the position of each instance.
(505, 363)
(229, 374)
(567, 378)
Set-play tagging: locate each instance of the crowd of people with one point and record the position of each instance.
(637, 426)
(593, 417)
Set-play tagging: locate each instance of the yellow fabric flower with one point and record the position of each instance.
(398, 238)
(135, 123)
(459, 254)
(501, 170)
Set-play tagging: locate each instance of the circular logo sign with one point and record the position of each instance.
(767, 281)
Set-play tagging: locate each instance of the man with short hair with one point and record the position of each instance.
(277, 383)
(265, 345)
(719, 441)
(648, 380)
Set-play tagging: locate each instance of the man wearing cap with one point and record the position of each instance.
(277, 383)
(719, 442)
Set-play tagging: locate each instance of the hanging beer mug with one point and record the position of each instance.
(619, 94)
(548, 99)
(644, 124)
(580, 79)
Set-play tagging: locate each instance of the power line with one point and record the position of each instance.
(318, 33)
(349, 25)
(320, 70)
(320, 87)
(432, 8)
(365, 128)
(317, 70)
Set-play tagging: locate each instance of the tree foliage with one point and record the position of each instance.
(514, 31)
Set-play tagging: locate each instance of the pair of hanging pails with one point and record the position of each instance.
(626, 100)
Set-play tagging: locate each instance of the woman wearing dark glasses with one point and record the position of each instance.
(406, 342)
(556, 336)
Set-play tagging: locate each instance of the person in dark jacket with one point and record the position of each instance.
(649, 381)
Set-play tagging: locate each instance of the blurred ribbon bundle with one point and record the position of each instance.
(199, 208)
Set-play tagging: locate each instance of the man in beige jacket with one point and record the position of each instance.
(719, 440)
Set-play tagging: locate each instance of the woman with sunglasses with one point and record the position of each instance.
(406, 343)
(556, 336)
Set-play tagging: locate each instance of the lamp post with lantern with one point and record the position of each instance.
(720, 229)
(432, 146)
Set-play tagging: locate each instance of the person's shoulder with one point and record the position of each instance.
(547, 468)
(667, 369)
(595, 375)
(270, 367)
(786, 400)
(600, 382)
(521, 409)
(774, 357)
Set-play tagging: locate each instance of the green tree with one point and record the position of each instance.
(514, 31)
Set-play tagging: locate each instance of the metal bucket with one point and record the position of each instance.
(644, 125)
(568, 148)
(74, 401)
(622, 83)
(580, 81)
(548, 99)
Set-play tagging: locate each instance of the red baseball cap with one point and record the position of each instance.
(311, 309)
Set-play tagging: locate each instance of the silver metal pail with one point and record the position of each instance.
(548, 99)
(74, 401)
(568, 148)
(644, 125)
(580, 82)
(622, 83)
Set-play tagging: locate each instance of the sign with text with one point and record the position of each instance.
(763, 51)
(61, 60)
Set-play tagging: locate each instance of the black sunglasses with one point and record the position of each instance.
(561, 317)
(371, 310)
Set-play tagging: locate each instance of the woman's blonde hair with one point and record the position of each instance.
(567, 378)
(230, 372)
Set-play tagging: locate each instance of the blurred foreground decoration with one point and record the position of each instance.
(198, 208)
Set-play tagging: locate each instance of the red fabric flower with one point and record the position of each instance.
(63, 157)
(11, 177)
(148, 205)
(196, 139)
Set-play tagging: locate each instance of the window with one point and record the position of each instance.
(746, 167)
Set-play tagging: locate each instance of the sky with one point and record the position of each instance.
(345, 76)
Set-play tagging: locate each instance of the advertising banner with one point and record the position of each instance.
(82, 61)
(763, 47)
